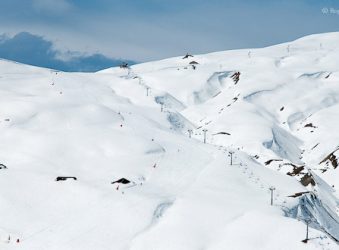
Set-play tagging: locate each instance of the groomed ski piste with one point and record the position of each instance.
(142, 178)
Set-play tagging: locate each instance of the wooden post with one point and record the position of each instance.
(272, 189)
(231, 154)
(308, 221)
(205, 131)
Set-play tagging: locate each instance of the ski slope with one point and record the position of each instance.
(279, 121)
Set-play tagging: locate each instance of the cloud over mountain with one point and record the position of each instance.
(35, 50)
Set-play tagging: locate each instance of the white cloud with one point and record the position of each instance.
(130, 31)
(55, 6)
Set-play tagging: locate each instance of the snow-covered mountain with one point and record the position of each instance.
(132, 139)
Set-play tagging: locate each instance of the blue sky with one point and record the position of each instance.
(143, 30)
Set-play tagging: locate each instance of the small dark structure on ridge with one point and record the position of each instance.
(193, 63)
(122, 181)
(63, 178)
(2, 166)
(187, 56)
(124, 65)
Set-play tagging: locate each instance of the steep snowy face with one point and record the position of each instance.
(277, 103)
(117, 159)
